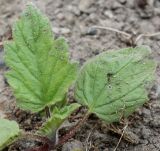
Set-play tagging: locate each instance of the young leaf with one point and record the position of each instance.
(113, 84)
(9, 130)
(57, 118)
(41, 72)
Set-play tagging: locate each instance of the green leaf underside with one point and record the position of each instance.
(9, 130)
(113, 84)
(57, 118)
(40, 68)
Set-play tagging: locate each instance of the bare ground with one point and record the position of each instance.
(73, 20)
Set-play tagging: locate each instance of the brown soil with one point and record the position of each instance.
(73, 20)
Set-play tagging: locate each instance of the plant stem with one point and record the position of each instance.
(72, 131)
(47, 110)
(114, 30)
(121, 136)
(146, 35)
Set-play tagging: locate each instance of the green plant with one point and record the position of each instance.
(9, 130)
(57, 118)
(40, 70)
(112, 85)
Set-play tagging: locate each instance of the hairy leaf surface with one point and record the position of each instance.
(40, 70)
(9, 130)
(57, 118)
(113, 84)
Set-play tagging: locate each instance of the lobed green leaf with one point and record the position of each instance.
(40, 70)
(113, 84)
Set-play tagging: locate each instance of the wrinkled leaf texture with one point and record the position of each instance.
(40, 70)
(113, 84)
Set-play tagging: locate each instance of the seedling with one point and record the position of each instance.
(40, 70)
(111, 85)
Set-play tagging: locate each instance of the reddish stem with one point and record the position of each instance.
(72, 131)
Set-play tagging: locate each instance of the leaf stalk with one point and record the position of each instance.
(73, 130)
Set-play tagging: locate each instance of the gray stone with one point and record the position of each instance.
(130, 3)
(56, 30)
(84, 5)
(122, 1)
(61, 30)
(146, 112)
(60, 16)
(91, 32)
(116, 5)
(146, 132)
(108, 14)
(65, 30)
(73, 146)
(74, 10)
(156, 121)
(70, 18)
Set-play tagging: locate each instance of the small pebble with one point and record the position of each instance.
(60, 16)
(146, 132)
(91, 32)
(84, 5)
(65, 30)
(116, 5)
(61, 30)
(70, 18)
(122, 1)
(108, 14)
(74, 10)
(73, 146)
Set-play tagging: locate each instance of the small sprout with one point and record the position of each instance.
(41, 73)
